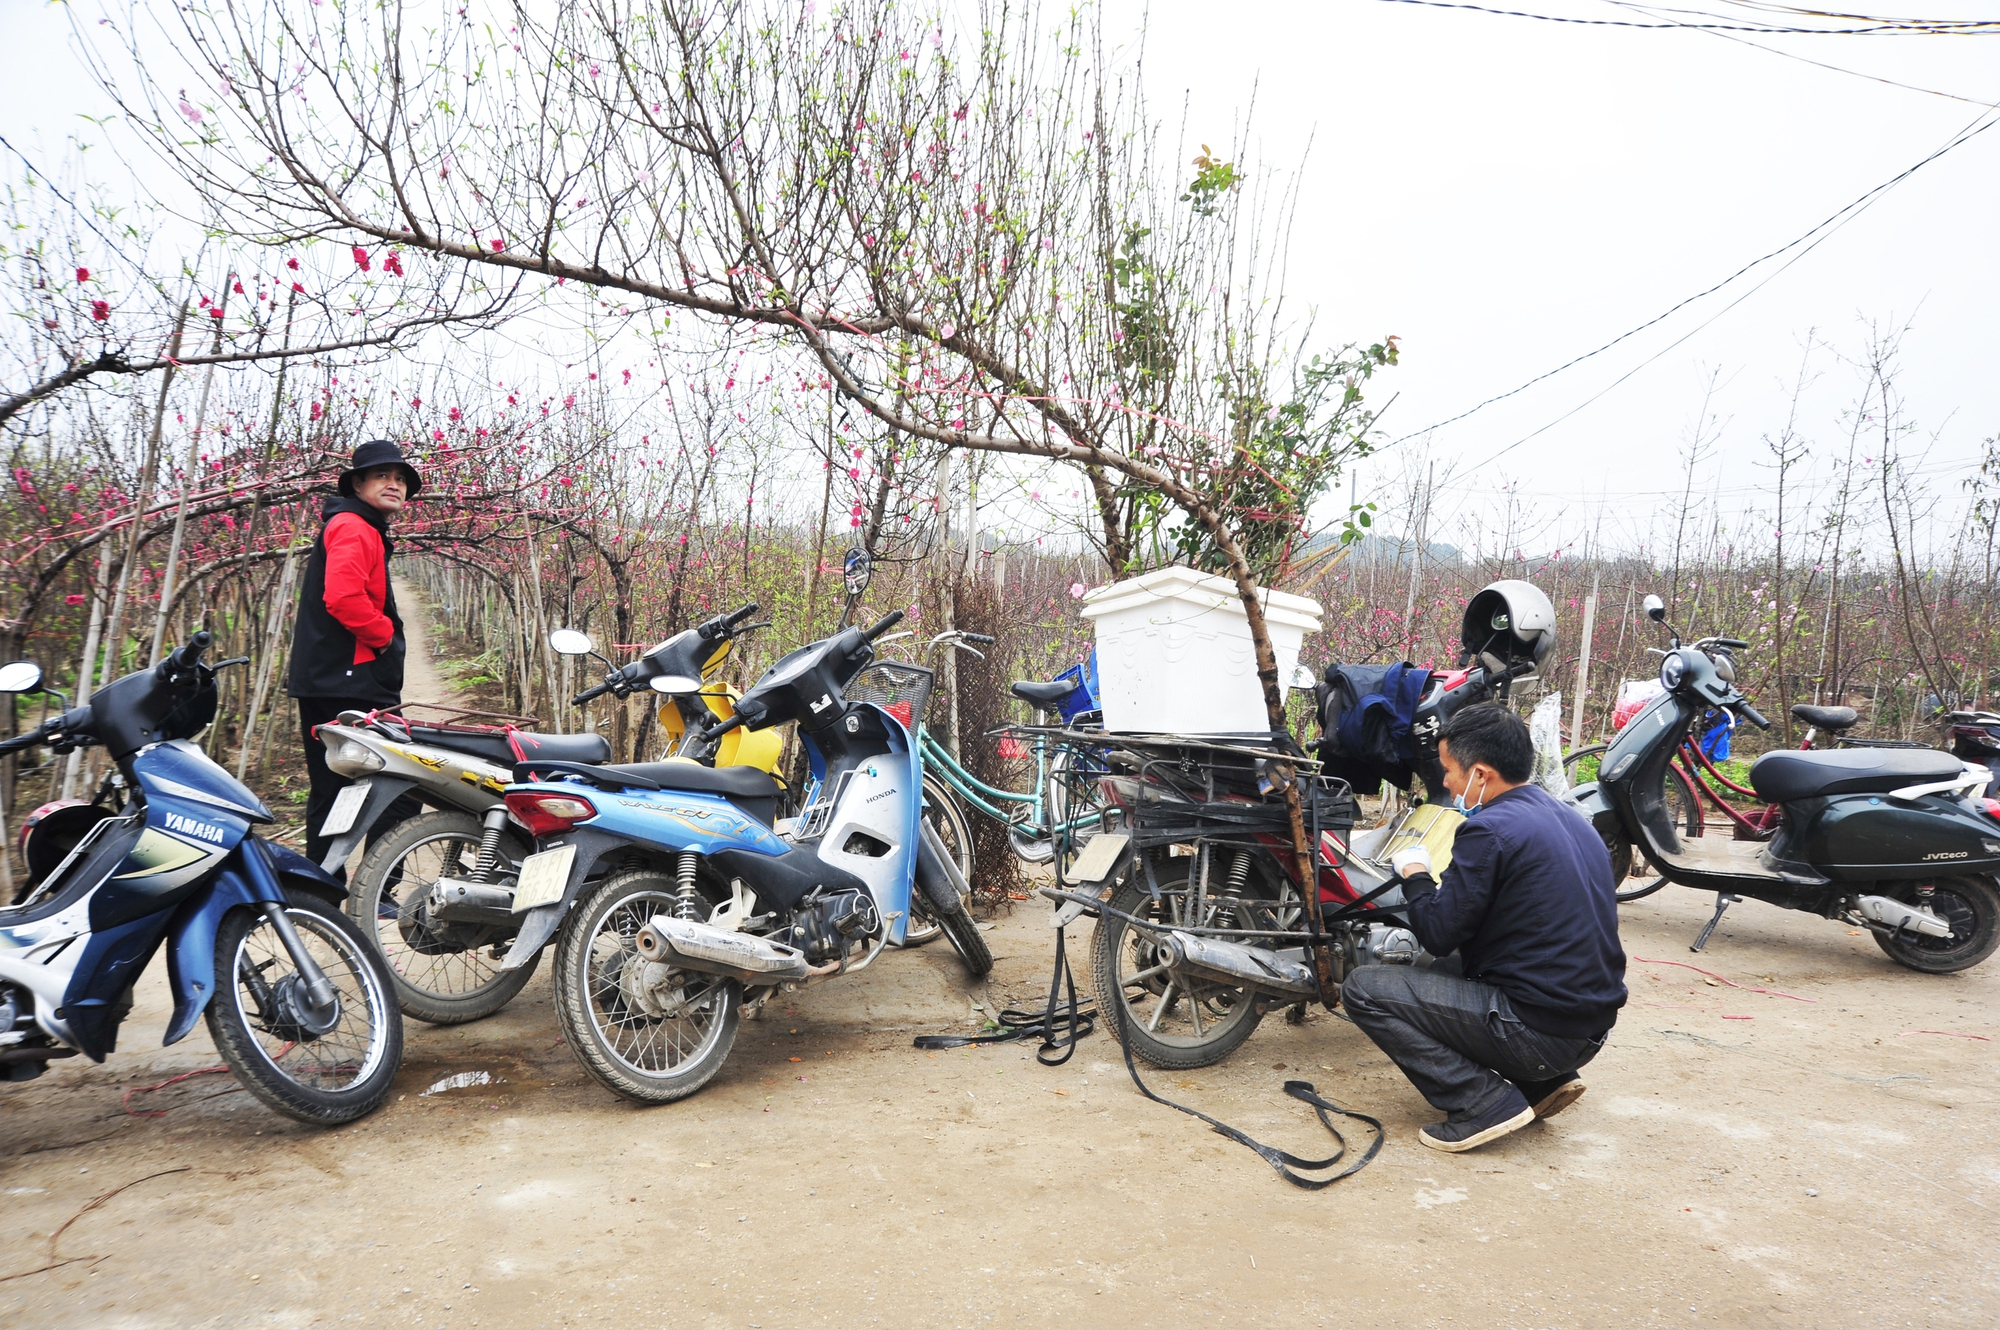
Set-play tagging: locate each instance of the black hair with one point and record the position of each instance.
(1492, 734)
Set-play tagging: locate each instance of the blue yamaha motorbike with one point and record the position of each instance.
(681, 899)
(299, 1005)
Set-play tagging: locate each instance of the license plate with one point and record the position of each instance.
(1098, 857)
(544, 878)
(346, 807)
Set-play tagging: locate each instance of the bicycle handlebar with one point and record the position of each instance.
(982, 639)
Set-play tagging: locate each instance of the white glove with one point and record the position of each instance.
(1411, 860)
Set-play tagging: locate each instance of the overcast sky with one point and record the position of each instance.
(1505, 195)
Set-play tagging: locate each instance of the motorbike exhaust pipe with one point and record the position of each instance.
(1259, 968)
(710, 950)
(1897, 916)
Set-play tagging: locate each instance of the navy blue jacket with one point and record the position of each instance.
(1528, 904)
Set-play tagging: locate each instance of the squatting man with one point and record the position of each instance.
(1530, 976)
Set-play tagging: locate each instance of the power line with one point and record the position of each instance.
(1837, 218)
(1876, 27)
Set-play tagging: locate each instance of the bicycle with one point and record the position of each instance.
(1035, 816)
(1695, 776)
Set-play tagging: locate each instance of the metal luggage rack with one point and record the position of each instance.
(1189, 789)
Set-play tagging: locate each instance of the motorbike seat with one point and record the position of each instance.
(1827, 718)
(1784, 776)
(1043, 696)
(729, 782)
(506, 748)
(591, 749)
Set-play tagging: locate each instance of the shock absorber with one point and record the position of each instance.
(1232, 887)
(689, 899)
(489, 844)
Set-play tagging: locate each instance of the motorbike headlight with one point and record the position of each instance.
(352, 759)
(1672, 670)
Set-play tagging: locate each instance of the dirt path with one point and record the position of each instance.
(1741, 1159)
(421, 680)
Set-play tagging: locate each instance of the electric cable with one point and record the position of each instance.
(1881, 27)
(1834, 220)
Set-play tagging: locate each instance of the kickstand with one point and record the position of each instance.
(1723, 900)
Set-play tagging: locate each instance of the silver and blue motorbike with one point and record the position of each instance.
(299, 1005)
(682, 898)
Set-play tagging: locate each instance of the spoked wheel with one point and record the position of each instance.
(1969, 904)
(943, 815)
(651, 1032)
(1635, 876)
(1069, 796)
(444, 973)
(1031, 844)
(1172, 1020)
(321, 1065)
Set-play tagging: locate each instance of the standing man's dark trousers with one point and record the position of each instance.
(1458, 1040)
(324, 784)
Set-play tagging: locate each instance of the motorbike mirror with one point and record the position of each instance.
(23, 676)
(1303, 677)
(674, 683)
(857, 571)
(569, 642)
(1656, 609)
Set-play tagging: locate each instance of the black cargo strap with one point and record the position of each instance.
(1081, 1024)
(1076, 1021)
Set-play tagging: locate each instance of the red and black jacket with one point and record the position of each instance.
(348, 643)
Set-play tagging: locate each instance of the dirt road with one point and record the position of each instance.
(1813, 1165)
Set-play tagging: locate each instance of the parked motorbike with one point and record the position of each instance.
(436, 891)
(682, 898)
(1507, 630)
(298, 1004)
(1886, 839)
(1974, 736)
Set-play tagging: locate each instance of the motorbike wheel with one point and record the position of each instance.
(1970, 905)
(445, 974)
(327, 1078)
(948, 904)
(954, 832)
(1169, 1021)
(654, 1033)
(1683, 806)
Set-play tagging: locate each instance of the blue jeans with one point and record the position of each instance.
(1458, 1040)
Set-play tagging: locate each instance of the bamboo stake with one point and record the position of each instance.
(1583, 663)
(100, 592)
(180, 513)
(277, 621)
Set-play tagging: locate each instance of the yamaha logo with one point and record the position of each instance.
(187, 826)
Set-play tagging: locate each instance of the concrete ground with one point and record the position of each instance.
(1740, 1159)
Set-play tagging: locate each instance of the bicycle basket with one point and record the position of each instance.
(904, 691)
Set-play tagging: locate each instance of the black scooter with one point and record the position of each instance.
(1891, 840)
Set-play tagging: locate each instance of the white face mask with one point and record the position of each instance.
(1458, 801)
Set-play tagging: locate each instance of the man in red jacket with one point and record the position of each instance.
(347, 647)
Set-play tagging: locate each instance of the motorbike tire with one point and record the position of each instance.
(248, 956)
(595, 1007)
(447, 986)
(948, 820)
(948, 903)
(1970, 904)
(1206, 1046)
(1683, 803)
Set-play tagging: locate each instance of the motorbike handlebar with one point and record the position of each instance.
(28, 740)
(187, 655)
(888, 621)
(1754, 716)
(590, 693)
(741, 614)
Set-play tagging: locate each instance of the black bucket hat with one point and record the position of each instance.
(379, 452)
